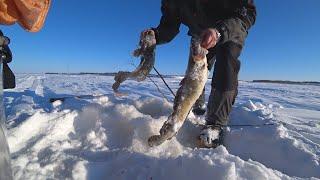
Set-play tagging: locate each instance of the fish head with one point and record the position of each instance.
(199, 53)
(147, 44)
(148, 40)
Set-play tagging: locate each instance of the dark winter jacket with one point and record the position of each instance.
(232, 18)
(6, 57)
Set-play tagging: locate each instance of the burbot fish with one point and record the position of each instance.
(146, 51)
(190, 90)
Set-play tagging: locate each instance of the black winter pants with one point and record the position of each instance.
(224, 87)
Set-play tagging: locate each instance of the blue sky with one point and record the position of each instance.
(99, 37)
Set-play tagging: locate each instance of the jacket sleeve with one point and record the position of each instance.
(236, 28)
(169, 23)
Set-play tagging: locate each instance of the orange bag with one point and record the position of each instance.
(30, 14)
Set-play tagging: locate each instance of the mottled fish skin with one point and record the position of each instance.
(190, 90)
(147, 55)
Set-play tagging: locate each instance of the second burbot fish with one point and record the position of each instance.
(190, 90)
(146, 51)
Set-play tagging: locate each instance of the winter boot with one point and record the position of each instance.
(211, 136)
(199, 110)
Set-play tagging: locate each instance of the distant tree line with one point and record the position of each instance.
(288, 82)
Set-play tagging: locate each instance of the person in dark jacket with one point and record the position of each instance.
(8, 77)
(223, 27)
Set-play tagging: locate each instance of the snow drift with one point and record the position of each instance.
(105, 137)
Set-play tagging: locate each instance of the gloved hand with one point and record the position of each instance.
(209, 38)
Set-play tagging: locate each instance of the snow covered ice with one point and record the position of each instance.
(105, 137)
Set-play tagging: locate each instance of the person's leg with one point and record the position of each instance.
(199, 107)
(223, 93)
(224, 84)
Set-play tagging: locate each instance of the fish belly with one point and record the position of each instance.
(191, 89)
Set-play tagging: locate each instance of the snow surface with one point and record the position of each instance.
(105, 137)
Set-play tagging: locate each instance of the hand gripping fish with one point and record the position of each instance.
(146, 51)
(190, 90)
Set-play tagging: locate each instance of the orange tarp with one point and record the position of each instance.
(30, 14)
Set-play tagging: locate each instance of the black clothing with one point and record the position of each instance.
(224, 86)
(232, 18)
(6, 57)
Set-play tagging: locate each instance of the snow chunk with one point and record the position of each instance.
(154, 107)
(56, 103)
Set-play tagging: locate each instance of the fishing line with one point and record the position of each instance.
(150, 79)
(174, 95)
